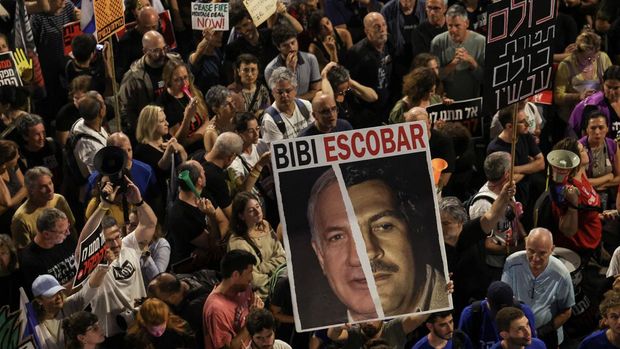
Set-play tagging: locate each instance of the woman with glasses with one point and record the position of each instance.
(328, 44)
(223, 105)
(254, 92)
(606, 101)
(581, 74)
(82, 331)
(184, 105)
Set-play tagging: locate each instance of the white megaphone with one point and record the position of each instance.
(562, 163)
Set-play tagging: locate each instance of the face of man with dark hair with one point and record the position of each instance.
(386, 235)
(242, 280)
(519, 333)
(36, 137)
(442, 327)
(247, 29)
(334, 246)
(612, 319)
(263, 339)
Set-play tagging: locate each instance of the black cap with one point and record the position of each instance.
(499, 295)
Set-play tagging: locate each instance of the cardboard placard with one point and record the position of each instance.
(9, 75)
(361, 225)
(260, 10)
(92, 253)
(70, 31)
(466, 112)
(210, 15)
(519, 52)
(109, 18)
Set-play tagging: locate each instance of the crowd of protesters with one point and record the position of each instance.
(194, 255)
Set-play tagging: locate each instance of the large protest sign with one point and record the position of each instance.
(70, 31)
(210, 15)
(9, 74)
(467, 112)
(362, 231)
(92, 253)
(109, 18)
(518, 50)
(260, 10)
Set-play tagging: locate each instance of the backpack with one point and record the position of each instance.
(277, 118)
(472, 199)
(70, 161)
(476, 317)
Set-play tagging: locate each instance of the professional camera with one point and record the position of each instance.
(110, 161)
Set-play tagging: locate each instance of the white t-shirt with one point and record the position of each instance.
(278, 344)
(121, 286)
(294, 124)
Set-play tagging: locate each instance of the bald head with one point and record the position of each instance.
(154, 48)
(538, 249)
(151, 38)
(325, 112)
(375, 28)
(119, 139)
(147, 19)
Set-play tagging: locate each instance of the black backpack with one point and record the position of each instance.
(70, 161)
(472, 199)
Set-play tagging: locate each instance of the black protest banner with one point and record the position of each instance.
(8, 70)
(92, 253)
(518, 51)
(467, 112)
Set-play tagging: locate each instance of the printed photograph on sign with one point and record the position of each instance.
(210, 15)
(362, 236)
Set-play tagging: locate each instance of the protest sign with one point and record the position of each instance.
(109, 18)
(92, 253)
(260, 10)
(340, 196)
(210, 15)
(467, 112)
(8, 70)
(518, 51)
(70, 31)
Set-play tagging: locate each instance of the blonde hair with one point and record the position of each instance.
(146, 130)
(588, 40)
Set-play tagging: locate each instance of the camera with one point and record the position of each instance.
(110, 161)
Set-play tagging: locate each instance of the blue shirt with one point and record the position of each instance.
(597, 340)
(488, 334)
(142, 176)
(548, 294)
(536, 344)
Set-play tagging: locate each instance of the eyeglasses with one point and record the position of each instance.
(281, 91)
(181, 79)
(158, 50)
(328, 111)
(343, 93)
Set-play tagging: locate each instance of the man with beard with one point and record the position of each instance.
(514, 329)
(143, 83)
(442, 334)
(51, 250)
(407, 278)
(261, 325)
(434, 25)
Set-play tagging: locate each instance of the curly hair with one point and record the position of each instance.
(419, 83)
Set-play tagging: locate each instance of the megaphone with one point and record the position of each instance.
(184, 176)
(110, 161)
(562, 163)
(438, 165)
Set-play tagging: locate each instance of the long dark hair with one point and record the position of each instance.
(237, 224)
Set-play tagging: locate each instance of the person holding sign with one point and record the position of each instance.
(461, 56)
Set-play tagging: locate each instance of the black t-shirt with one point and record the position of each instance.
(565, 33)
(49, 156)
(96, 70)
(442, 147)
(422, 36)
(128, 50)
(66, 117)
(411, 21)
(58, 261)
(312, 130)
(173, 107)
(216, 186)
(156, 79)
(185, 222)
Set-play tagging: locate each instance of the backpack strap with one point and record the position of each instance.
(277, 118)
(476, 321)
(302, 108)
